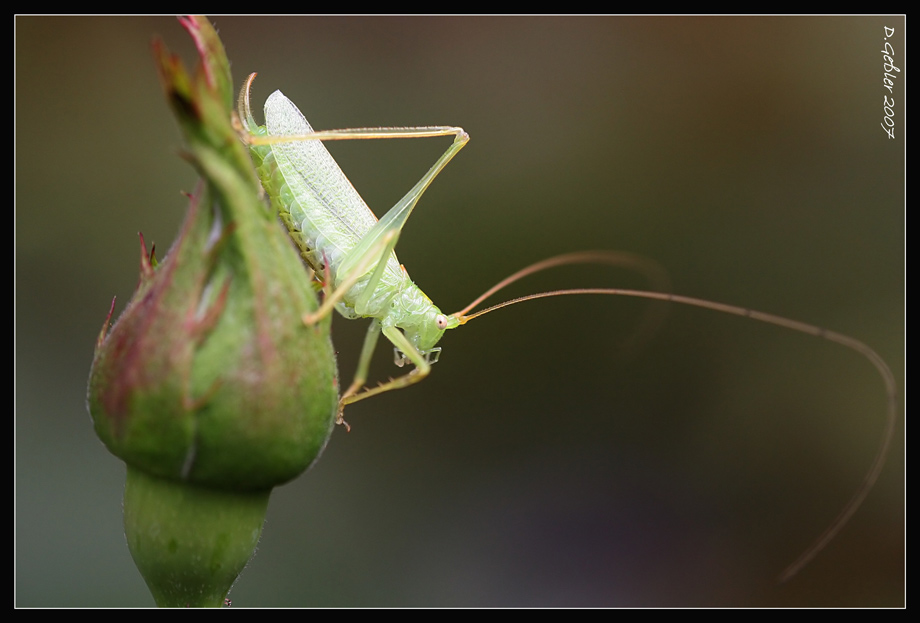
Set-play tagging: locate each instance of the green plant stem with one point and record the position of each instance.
(190, 543)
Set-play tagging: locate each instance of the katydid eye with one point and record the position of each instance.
(441, 321)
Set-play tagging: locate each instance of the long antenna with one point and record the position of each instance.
(853, 344)
(654, 273)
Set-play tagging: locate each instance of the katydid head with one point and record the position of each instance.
(426, 334)
(420, 321)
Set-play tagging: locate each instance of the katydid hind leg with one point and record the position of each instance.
(374, 249)
(377, 244)
(397, 216)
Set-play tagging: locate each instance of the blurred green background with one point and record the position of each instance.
(539, 464)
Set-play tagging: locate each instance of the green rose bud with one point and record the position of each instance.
(209, 386)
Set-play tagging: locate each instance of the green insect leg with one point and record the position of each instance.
(422, 367)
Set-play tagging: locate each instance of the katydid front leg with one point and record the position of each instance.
(418, 359)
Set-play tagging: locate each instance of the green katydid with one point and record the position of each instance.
(353, 255)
